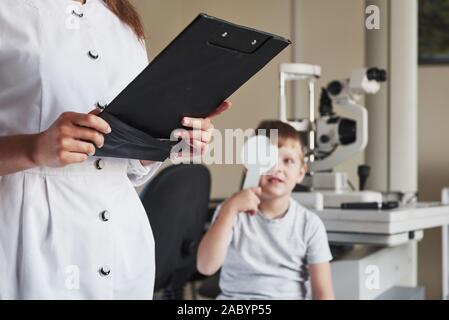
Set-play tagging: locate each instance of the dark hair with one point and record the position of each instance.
(128, 14)
(285, 133)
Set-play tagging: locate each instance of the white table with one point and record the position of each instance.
(389, 227)
(383, 227)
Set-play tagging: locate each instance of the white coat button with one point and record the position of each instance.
(105, 216)
(101, 106)
(105, 271)
(93, 54)
(99, 164)
(79, 15)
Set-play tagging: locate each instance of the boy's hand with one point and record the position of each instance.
(244, 201)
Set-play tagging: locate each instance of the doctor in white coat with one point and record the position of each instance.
(71, 224)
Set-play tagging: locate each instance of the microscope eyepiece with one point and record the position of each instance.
(325, 108)
(335, 88)
(347, 131)
(376, 74)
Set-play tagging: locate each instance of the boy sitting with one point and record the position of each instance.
(267, 244)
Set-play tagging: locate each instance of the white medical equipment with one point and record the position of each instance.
(333, 139)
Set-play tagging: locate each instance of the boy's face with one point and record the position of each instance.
(289, 171)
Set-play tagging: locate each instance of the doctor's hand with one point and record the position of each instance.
(70, 139)
(200, 134)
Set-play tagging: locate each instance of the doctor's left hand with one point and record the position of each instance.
(200, 134)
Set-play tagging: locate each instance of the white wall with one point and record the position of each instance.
(331, 34)
(433, 165)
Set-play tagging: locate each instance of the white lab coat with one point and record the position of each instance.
(77, 232)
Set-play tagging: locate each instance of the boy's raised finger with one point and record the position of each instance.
(257, 191)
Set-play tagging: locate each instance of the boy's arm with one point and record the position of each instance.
(214, 245)
(321, 280)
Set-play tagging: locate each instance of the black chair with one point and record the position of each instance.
(210, 287)
(176, 202)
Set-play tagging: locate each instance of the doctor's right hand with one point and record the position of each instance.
(70, 139)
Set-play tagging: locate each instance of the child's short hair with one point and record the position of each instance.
(285, 133)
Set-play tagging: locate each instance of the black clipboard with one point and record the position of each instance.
(203, 66)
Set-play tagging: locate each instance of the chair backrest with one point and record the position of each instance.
(176, 201)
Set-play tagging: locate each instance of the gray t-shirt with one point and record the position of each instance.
(268, 258)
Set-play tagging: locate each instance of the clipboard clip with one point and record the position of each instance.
(238, 39)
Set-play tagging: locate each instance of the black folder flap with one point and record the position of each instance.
(202, 67)
(130, 143)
